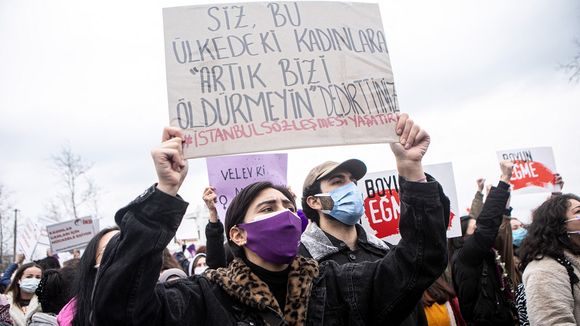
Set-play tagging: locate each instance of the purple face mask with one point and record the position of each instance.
(276, 237)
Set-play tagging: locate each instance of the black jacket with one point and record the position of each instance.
(468, 262)
(317, 244)
(375, 293)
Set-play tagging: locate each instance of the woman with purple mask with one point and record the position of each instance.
(268, 283)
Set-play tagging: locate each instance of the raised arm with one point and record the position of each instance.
(214, 232)
(125, 290)
(386, 291)
(489, 219)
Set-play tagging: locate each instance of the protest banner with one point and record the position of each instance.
(28, 237)
(230, 174)
(71, 234)
(262, 76)
(383, 204)
(533, 171)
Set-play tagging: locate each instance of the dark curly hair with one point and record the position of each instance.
(547, 235)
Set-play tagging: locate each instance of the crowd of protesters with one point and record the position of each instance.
(270, 263)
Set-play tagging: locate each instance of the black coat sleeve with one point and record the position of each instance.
(215, 254)
(126, 290)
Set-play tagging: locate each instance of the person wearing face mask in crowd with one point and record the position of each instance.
(550, 260)
(334, 204)
(198, 264)
(519, 233)
(267, 282)
(20, 294)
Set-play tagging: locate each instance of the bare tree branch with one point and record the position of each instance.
(572, 68)
(80, 189)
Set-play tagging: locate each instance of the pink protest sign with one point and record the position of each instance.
(230, 174)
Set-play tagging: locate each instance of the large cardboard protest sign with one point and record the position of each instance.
(230, 174)
(533, 171)
(383, 204)
(274, 75)
(71, 234)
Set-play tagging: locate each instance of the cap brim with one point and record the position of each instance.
(357, 169)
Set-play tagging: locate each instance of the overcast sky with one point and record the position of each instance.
(479, 76)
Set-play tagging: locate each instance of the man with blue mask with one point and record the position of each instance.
(334, 204)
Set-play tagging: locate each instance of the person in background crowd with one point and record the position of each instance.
(519, 233)
(441, 305)
(198, 264)
(53, 292)
(76, 254)
(20, 293)
(480, 278)
(550, 260)
(78, 311)
(266, 276)
(5, 319)
(48, 262)
(7, 275)
(170, 268)
(169, 261)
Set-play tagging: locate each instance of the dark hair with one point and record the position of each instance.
(310, 212)
(547, 235)
(169, 261)
(48, 262)
(201, 250)
(439, 292)
(85, 279)
(55, 289)
(14, 288)
(240, 204)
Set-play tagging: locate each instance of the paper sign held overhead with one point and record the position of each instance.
(71, 234)
(383, 203)
(230, 174)
(533, 170)
(275, 75)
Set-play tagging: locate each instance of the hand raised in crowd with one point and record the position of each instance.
(506, 170)
(169, 163)
(210, 198)
(480, 184)
(412, 146)
(20, 258)
(558, 181)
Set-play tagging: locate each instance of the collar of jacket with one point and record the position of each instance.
(320, 246)
(238, 281)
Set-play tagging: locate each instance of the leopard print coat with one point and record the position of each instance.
(238, 281)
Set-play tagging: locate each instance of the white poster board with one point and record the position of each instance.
(382, 201)
(71, 234)
(262, 76)
(533, 171)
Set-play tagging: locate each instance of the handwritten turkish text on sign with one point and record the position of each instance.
(70, 234)
(263, 76)
(383, 204)
(534, 169)
(230, 174)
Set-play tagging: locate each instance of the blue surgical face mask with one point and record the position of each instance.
(518, 236)
(348, 204)
(29, 285)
